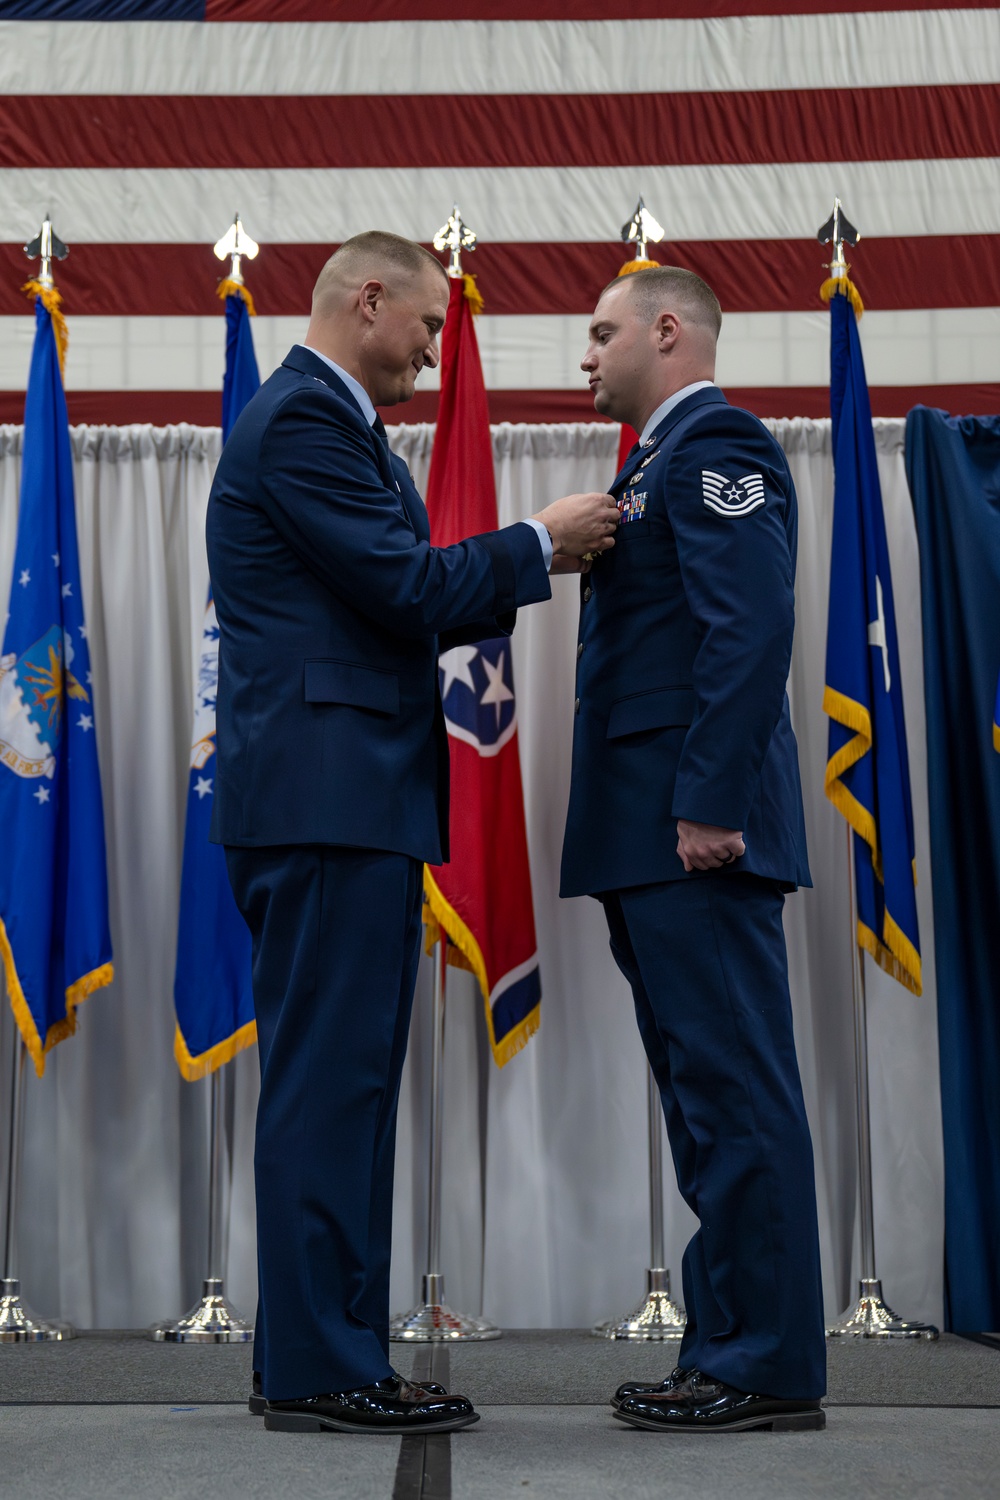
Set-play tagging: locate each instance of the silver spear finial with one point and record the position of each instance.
(641, 228)
(838, 231)
(236, 243)
(456, 236)
(47, 247)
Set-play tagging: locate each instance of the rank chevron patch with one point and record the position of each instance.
(732, 497)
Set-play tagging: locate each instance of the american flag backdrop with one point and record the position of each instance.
(142, 126)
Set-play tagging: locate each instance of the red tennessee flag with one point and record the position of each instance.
(482, 899)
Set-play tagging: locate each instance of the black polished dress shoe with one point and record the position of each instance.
(701, 1404)
(636, 1388)
(389, 1406)
(257, 1401)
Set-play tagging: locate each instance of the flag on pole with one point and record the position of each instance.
(867, 773)
(55, 940)
(996, 720)
(482, 899)
(213, 996)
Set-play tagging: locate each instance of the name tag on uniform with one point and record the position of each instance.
(632, 506)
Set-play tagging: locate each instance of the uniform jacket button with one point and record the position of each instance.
(587, 593)
(576, 706)
(579, 651)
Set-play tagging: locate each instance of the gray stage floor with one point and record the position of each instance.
(107, 1416)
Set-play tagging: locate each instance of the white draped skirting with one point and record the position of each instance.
(545, 1195)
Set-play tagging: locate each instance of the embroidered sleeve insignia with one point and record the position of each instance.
(732, 497)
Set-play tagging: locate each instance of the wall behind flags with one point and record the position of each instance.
(144, 125)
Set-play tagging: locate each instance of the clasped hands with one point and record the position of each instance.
(579, 524)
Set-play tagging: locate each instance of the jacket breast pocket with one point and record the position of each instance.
(630, 531)
(356, 686)
(660, 708)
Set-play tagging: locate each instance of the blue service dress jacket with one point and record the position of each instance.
(682, 659)
(332, 609)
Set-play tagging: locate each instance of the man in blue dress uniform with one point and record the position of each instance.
(685, 820)
(332, 791)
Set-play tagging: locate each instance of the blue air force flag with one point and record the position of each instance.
(212, 988)
(54, 935)
(867, 773)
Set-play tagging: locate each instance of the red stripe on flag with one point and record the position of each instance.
(765, 276)
(552, 10)
(204, 408)
(495, 130)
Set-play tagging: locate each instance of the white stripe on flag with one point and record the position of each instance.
(857, 50)
(519, 205)
(951, 346)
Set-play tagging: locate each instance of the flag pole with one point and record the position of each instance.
(432, 1321)
(18, 1324)
(870, 1316)
(213, 1319)
(658, 1317)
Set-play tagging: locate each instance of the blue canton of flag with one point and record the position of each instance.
(54, 935)
(212, 988)
(867, 774)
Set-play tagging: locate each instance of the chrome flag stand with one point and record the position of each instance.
(18, 1324)
(432, 1321)
(213, 1320)
(870, 1317)
(657, 1317)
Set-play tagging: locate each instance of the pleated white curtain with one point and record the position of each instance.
(545, 1200)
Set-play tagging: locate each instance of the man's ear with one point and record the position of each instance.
(667, 330)
(371, 296)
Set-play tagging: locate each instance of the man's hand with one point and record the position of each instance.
(580, 523)
(563, 564)
(703, 846)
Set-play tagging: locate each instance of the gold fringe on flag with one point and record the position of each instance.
(76, 993)
(844, 287)
(473, 296)
(636, 264)
(231, 288)
(193, 1068)
(52, 302)
(443, 924)
(893, 951)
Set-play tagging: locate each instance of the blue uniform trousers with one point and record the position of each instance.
(707, 965)
(336, 935)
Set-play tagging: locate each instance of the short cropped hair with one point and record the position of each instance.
(373, 251)
(653, 288)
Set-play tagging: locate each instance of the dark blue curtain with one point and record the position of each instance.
(953, 468)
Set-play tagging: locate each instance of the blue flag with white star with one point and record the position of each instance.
(867, 773)
(55, 940)
(212, 990)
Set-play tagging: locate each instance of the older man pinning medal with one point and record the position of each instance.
(685, 820)
(331, 793)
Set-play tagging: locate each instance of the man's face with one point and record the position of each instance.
(620, 356)
(404, 336)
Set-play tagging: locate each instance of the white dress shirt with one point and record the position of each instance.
(668, 406)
